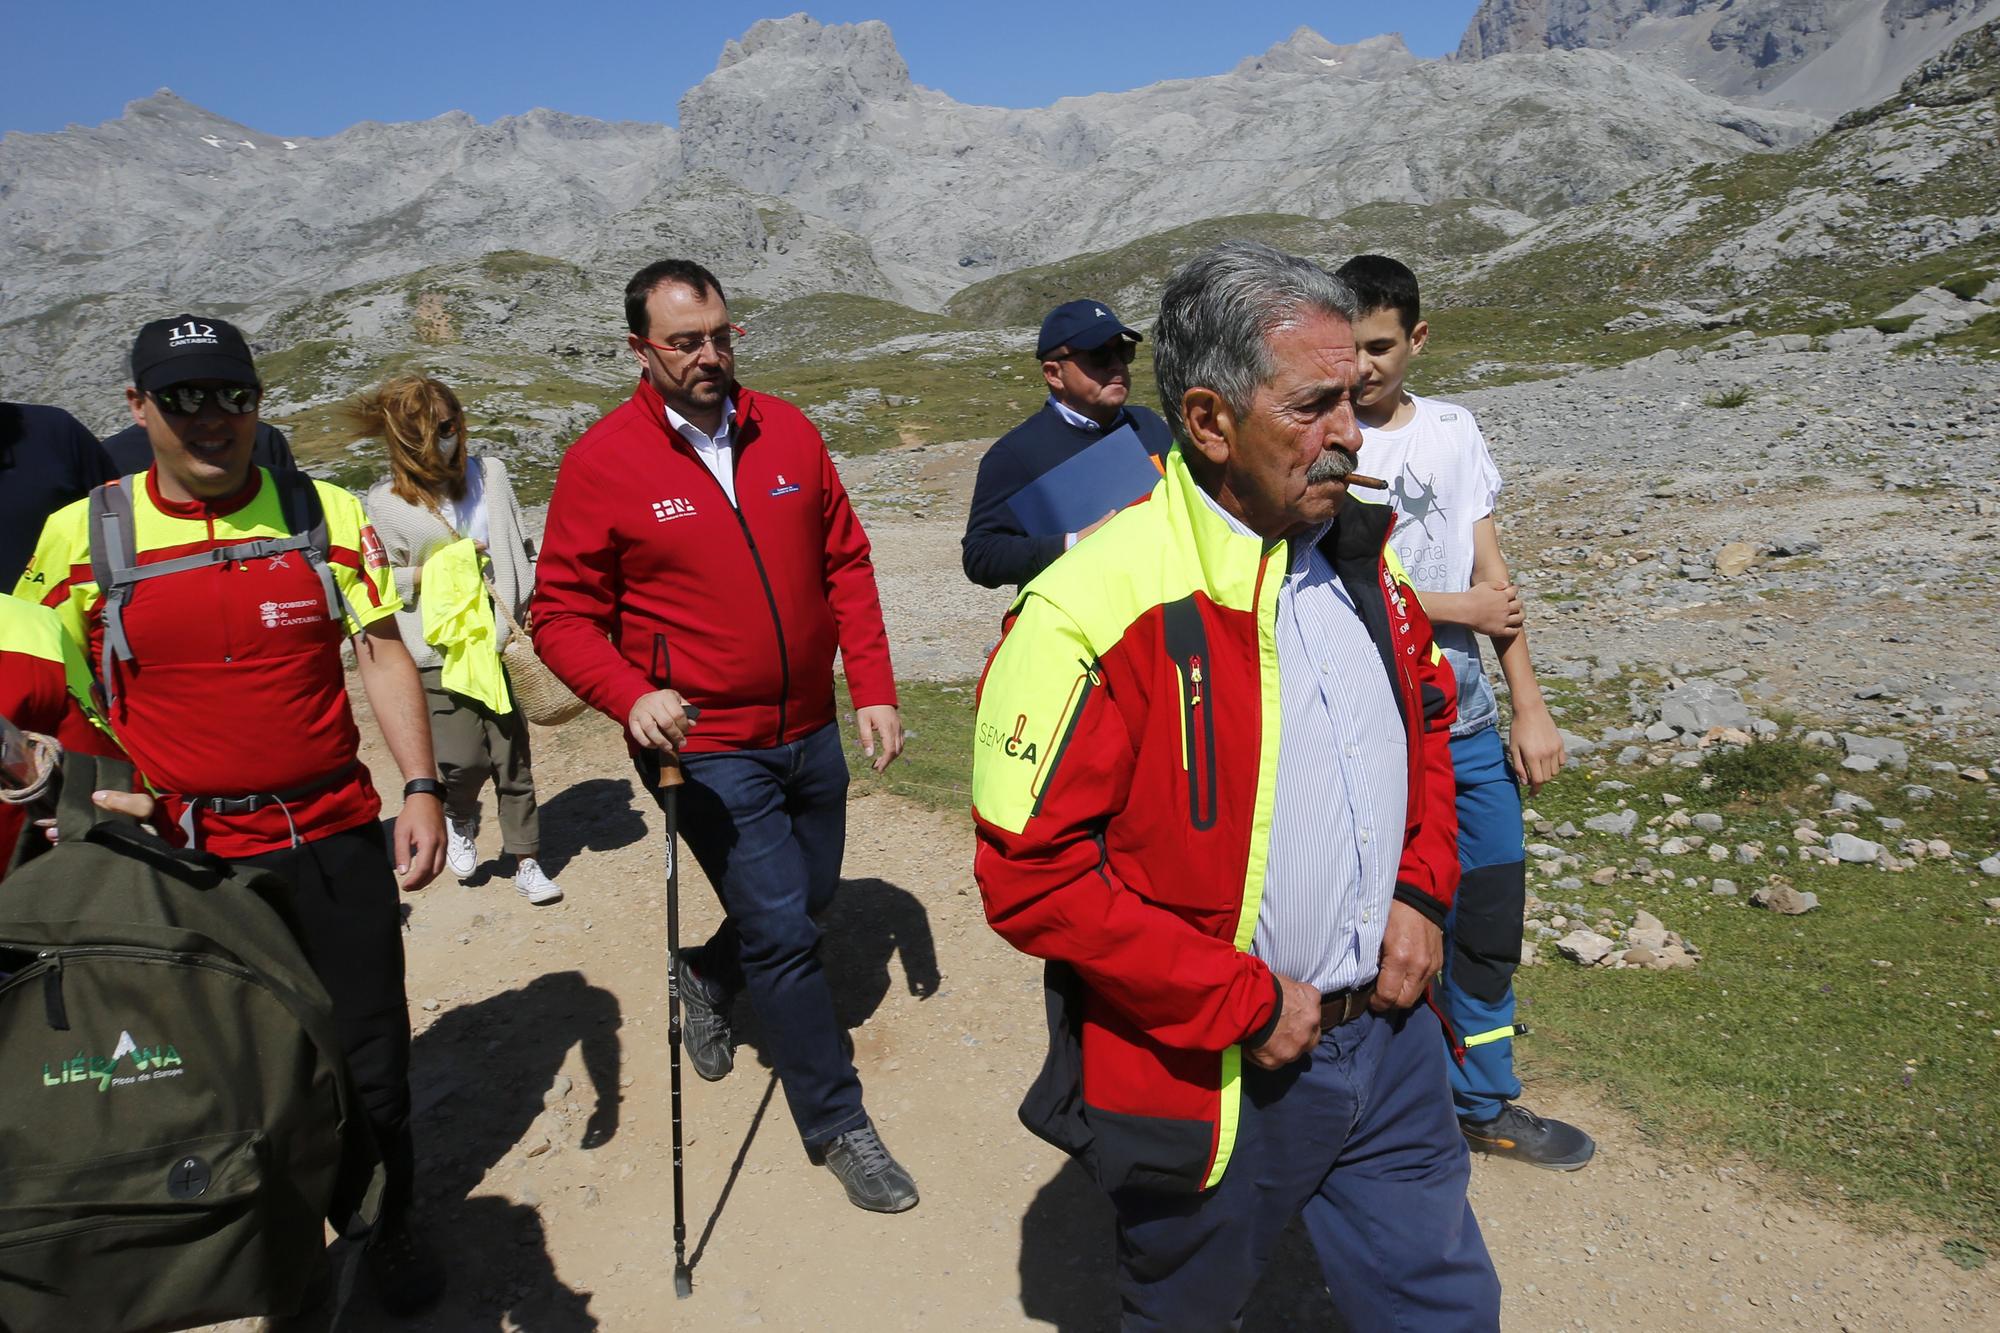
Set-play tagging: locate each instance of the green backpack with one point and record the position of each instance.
(177, 1124)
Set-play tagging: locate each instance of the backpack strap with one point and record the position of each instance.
(114, 564)
(82, 774)
(305, 517)
(114, 554)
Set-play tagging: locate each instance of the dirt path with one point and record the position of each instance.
(542, 1086)
(542, 1031)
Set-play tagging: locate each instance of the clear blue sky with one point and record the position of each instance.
(313, 69)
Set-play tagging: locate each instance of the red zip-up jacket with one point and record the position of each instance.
(1124, 772)
(649, 578)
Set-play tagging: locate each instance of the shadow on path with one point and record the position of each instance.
(871, 923)
(478, 1079)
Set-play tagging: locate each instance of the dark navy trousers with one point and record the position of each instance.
(768, 827)
(1360, 1137)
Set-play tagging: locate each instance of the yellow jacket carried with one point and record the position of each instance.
(458, 620)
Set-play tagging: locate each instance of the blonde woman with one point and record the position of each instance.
(436, 494)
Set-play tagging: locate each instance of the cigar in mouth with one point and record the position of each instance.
(1364, 480)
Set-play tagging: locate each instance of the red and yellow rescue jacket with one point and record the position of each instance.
(43, 682)
(1123, 772)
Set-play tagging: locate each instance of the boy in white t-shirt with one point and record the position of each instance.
(1443, 485)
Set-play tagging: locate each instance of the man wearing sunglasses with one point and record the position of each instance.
(222, 679)
(1086, 354)
(701, 557)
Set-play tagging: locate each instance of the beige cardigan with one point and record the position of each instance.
(411, 534)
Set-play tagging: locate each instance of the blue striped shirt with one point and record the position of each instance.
(1342, 786)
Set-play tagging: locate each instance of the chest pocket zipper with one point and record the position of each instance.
(1187, 643)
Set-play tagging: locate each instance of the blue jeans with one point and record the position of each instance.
(1360, 1138)
(1482, 936)
(767, 827)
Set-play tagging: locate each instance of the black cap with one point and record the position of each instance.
(190, 347)
(1080, 326)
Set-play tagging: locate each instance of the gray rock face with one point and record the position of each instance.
(1881, 749)
(1784, 900)
(1621, 823)
(1698, 705)
(1830, 55)
(1856, 851)
(946, 191)
(1586, 947)
(824, 120)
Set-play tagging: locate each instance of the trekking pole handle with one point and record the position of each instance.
(670, 764)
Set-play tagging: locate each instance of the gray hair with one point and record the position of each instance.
(1218, 313)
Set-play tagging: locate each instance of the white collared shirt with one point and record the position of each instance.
(718, 451)
(1336, 837)
(1072, 416)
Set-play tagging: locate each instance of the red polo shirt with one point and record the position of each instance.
(236, 687)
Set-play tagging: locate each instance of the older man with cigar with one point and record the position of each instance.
(1213, 788)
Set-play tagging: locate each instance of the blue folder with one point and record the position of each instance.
(1071, 496)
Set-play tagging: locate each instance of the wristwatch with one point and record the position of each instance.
(423, 787)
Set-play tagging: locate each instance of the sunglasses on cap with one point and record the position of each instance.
(184, 400)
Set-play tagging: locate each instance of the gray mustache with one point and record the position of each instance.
(1332, 465)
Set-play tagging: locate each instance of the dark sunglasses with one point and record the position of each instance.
(184, 400)
(1117, 352)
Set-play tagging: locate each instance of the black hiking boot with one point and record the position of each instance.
(408, 1277)
(1524, 1136)
(873, 1179)
(705, 1035)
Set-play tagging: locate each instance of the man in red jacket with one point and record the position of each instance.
(1212, 784)
(701, 551)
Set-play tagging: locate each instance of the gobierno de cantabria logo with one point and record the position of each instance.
(109, 1071)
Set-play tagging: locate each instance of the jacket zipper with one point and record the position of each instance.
(1199, 719)
(48, 965)
(757, 559)
(1047, 768)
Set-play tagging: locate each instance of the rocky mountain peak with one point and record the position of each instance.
(1306, 52)
(1825, 56)
(864, 52)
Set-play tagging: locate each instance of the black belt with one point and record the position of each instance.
(1343, 1006)
(255, 801)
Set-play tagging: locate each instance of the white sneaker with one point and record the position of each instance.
(533, 885)
(459, 853)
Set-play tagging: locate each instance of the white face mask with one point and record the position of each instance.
(447, 447)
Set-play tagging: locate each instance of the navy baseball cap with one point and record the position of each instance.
(190, 347)
(1080, 326)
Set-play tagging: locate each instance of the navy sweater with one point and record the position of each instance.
(47, 459)
(996, 551)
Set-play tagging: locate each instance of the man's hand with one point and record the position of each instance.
(885, 720)
(419, 844)
(659, 721)
(1412, 953)
(1492, 608)
(1298, 1027)
(1108, 516)
(1536, 748)
(138, 804)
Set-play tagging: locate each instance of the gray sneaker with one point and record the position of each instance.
(873, 1179)
(705, 1035)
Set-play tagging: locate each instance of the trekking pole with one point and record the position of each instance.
(669, 783)
(670, 798)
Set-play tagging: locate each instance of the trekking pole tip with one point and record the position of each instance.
(683, 1282)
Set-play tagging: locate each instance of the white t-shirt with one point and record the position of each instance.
(1441, 482)
(467, 514)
